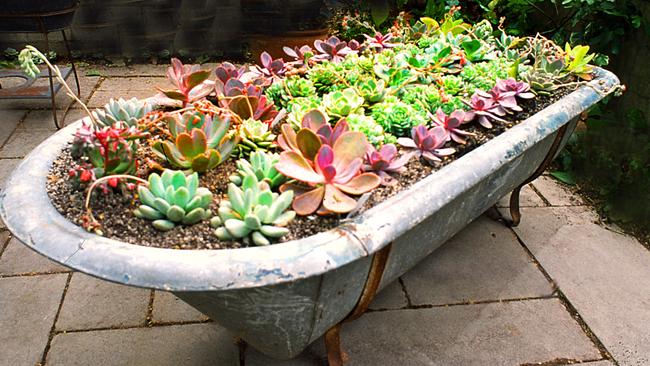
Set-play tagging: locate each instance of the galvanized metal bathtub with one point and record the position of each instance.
(282, 297)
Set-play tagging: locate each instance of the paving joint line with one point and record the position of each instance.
(32, 274)
(405, 292)
(538, 193)
(148, 319)
(567, 304)
(13, 132)
(564, 362)
(48, 345)
(4, 245)
(465, 303)
(127, 327)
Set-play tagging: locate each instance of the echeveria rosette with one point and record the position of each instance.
(254, 135)
(253, 213)
(315, 130)
(190, 82)
(333, 175)
(299, 107)
(520, 88)
(505, 101)
(452, 124)
(299, 87)
(333, 49)
(200, 143)
(226, 71)
(271, 69)
(385, 162)
(126, 111)
(484, 110)
(427, 143)
(371, 90)
(397, 117)
(380, 41)
(172, 199)
(262, 165)
(374, 131)
(300, 55)
(341, 103)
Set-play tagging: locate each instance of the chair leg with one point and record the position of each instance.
(49, 73)
(74, 68)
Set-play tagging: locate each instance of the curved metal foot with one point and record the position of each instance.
(241, 346)
(515, 214)
(335, 354)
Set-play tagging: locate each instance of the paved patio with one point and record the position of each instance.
(559, 289)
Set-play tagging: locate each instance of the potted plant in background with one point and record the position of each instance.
(433, 122)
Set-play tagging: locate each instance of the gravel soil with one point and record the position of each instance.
(113, 209)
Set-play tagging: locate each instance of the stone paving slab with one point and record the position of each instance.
(167, 308)
(599, 363)
(488, 334)
(18, 259)
(28, 306)
(22, 142)
(43, 120)
(556, 193)
(118, 85)
(130, 70)
(8, 122)
(91, 303)
(101, 97)
(527, 198)
(605, 275)
(196, 344)
(483, 262)
(392, 297)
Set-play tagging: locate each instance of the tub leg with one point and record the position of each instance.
(515, 213)
(335, 354)
(241, 346)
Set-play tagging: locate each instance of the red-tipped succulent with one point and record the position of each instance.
(299, 54)
(246, 101)
(380, 41)
(427, 143)
(329, 174)
(190, 82)
(505, 101)
(333, 49)
(451, 124)
(271, 69)
(316, 122)
(384, 161)
(520, 88)
(483, 109)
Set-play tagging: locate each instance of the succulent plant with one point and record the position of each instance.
(107, 151)
(333, 49)
(190, 81)
(577, 61)
(427, 143)
(520, 88)
(262, 165)
(324, 77)
(172, 198)
(299, 87)
(314, 126)
(397, 117)
(373, 130)
(271, 69)
(300, 55)
(226, 71)
(371, 90)
(379, 41)
(451, 123)
(253, 213)
(298, 107)
(485, 110)
(247, 101)
(342, 103)
(127, 111)
(330, 176)
(200, 141)
(505, 101)
(453, 85)
(385, 161)
(254, 135)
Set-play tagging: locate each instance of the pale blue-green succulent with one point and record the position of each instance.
(173, 198)
(127, 111)
(262, 165)
(253, 213)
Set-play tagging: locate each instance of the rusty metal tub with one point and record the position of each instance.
(282, 297)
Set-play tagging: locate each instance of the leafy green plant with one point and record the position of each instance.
(262, 165)
(172, 198)
(253, 213)
(254, 135)
(127, 111)
(342, 103)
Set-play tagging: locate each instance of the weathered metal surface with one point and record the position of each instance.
(280, 298)
(28, 90)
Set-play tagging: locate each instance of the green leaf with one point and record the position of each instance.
(175, 213)
(259, 239)
(379, 11)
(163, 225)
(564, 177)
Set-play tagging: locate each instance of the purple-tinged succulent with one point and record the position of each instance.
(354, 45)
(384, 162)
(191, 82)
(505, 101)
(333, 173)
(427, 143)
(271, 69)
(227, 71)
(380, 41)
(451, 124)
(333, 49)
(520, 88)
(484, 109)
(299, 55)
(315, 122)
(246, 101)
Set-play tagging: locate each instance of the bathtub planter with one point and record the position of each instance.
(282, 297)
